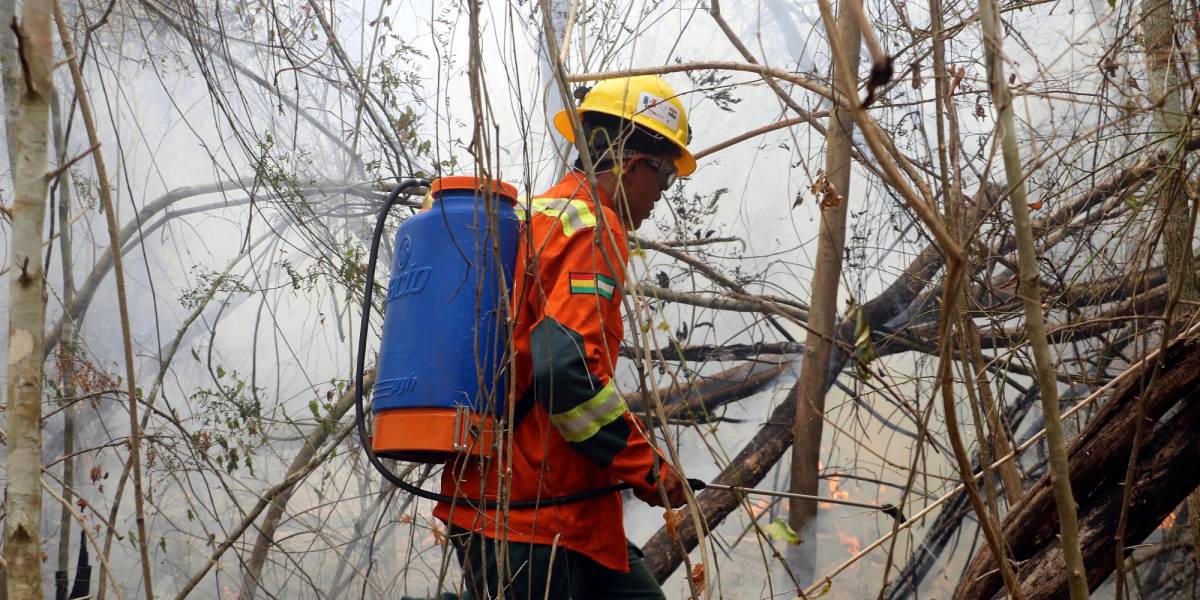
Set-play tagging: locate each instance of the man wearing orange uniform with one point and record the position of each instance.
(571, 431)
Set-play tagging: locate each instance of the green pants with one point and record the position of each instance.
(531, 576)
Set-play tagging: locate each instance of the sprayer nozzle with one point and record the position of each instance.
(893, 511)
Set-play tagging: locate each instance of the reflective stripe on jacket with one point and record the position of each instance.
(572, 430)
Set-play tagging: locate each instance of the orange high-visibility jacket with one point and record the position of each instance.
(572, 431)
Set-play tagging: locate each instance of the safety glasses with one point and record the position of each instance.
(664, 170)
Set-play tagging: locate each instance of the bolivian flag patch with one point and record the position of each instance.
(593, 283)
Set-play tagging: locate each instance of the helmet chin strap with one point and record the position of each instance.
(624, 208)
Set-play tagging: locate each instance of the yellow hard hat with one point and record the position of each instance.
(646, 100)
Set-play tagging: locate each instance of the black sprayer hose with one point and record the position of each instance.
(364, 330)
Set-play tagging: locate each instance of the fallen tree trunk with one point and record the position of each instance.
(663, 554)
(755, 460)
(718, 352)
(1098, 457)
(709, 392)
(1163, 480)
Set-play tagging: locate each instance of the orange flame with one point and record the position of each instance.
(835, 492)
(853, 546)
(1169, 522)
(758, 507)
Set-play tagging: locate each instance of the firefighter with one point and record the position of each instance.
(571, 430)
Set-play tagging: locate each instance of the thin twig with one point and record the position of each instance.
(67, 165)
(135, 441)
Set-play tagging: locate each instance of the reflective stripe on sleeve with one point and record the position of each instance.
(574, 214)
(524, 205)
(583, 421)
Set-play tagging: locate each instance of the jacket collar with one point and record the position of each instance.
(575, 185)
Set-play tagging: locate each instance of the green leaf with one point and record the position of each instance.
(865, 349)
(780, 530)
(824, 590)
(1130, 199)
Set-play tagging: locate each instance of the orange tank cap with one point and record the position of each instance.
(467, 182)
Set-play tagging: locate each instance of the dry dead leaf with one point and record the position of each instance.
(673, 518)
(697, 577)
(439, 538)
(824, 190)
(958, 73)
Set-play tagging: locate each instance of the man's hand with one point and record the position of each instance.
(672, 484)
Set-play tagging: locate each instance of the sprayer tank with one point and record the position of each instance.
(442, 369)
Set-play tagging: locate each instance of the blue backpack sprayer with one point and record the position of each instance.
(442, 373)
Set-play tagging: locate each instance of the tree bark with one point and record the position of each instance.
(1172, 124)
(1031, 297)
(1163, 479)
(1098, 458)
(67, 352)
(27, 309)
(10, 76)
(809, 392)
